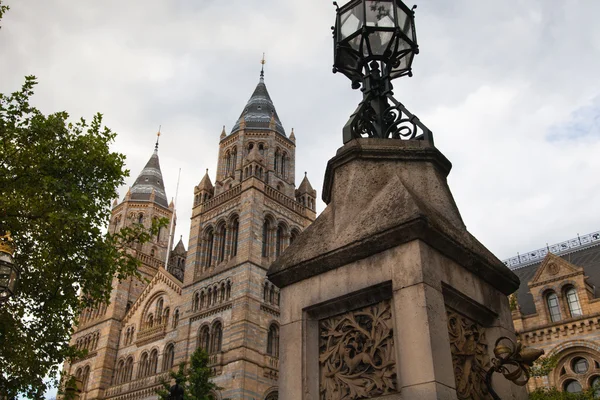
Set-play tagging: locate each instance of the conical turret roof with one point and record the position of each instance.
(205, 183)
(306, 187)
(149, 180)
(259, 110)
(180, 248)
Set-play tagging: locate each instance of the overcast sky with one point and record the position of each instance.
(511, 91)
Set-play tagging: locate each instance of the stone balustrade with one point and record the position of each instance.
(148, 260)
(284, 200)
(142, 383)
(222, 198)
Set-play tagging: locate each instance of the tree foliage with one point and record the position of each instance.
(544, 365)
(555, 394)
(57, 181)
(195, 381)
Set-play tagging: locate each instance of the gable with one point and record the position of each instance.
(553, 268)
(162, 281)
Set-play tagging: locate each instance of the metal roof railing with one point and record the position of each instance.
(568, 246)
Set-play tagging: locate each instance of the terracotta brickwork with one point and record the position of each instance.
(565, 324)
(223, 302)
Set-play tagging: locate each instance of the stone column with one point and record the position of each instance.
(387, 295)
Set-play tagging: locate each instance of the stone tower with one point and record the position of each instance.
(99, 330)
(239, 226)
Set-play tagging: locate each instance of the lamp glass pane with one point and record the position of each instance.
(5, 276)
(351, 21)
(379, 13)
(404, 23)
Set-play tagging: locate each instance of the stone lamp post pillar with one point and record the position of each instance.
(387, 295)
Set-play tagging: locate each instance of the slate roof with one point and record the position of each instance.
(588, 258)
(259, 110)
(150, 179)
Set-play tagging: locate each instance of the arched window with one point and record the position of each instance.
(573, 301)
(153, 365)
(222, 293)
(176, 318)
(197, 301)
(202, 299)
(572, 386)
(276, 162)
(553, 307)
(159, 309)
(293, 235)
(279, 240)
(128, 370)
(235, 226)
(208, 247)
(119, 373)
(272, 396)
(85, 378)
(227, 163)
(165, 317)
(284, 165)
(143, 367)
(266, 245)
(222, 234)
(266, 292)
(209, 298)
(273, 341)
(216, 338)
(168, 357)
(204, 338)
(228, 290)
(215, 295)
(149, 321)
(140, 218)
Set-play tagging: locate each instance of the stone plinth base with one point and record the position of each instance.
(387, 295)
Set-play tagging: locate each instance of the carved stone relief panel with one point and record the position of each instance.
(356, 354)
(470, 357)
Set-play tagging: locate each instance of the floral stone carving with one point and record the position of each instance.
(356, 354)
(469, 356)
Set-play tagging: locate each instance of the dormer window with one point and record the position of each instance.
(553, 307)
(573, 302)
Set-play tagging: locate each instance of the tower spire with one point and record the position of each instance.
(157, 137)
(262, 68)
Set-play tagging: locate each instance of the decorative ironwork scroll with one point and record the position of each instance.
(356, 354)
(470, 357)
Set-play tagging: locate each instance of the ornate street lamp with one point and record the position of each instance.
(9, 274)
(374, 42)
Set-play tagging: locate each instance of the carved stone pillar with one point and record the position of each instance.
(386, 294)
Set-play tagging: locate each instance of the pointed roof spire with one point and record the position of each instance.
(262, 69)
(259, 110)
(223, 133)
(205, 183)
(306, 187)
(149, 184)
(292, 136)
(180, 247)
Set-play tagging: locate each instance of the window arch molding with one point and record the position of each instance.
(150, 306)
(567, 358)
(208, 246)
(271, 393)
(272, 347)
(216, 336)
(203, 337)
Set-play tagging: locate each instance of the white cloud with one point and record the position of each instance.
(500, 85)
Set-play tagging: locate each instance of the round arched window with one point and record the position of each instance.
(580, 365)
(572, 387)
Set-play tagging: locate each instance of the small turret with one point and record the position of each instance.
(223, 133)
(292, 136)
(305, 194)
(177, 260)
(204, 191)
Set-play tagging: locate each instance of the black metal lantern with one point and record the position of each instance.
(367, 30)
(375, 41)
(9, 274)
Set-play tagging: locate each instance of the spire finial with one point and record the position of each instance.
(157, 137)
(262, 68)
(305, 174)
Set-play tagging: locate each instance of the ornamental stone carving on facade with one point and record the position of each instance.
(356, 354)
(470, 357)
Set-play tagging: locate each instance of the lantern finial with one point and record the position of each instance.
(262, 68)
(6, 244)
